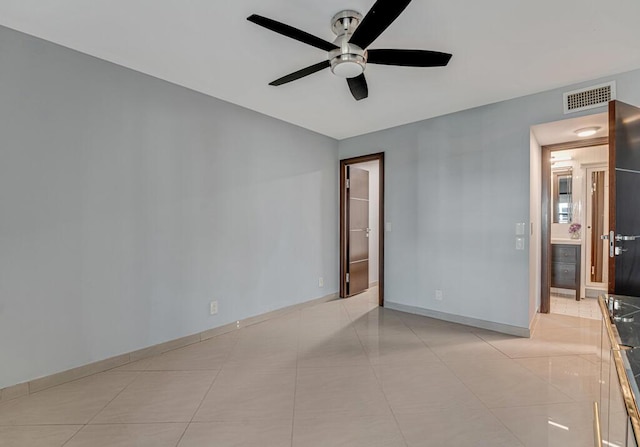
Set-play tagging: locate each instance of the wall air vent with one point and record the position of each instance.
(590, 97)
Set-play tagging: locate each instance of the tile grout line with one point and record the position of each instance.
(492, 410)
(373, 370)
(295, 381)
(483, 403)
(73, 435)
(82, 425)
(136, 373)
(198, 408)
(515, 360)
(208, 389)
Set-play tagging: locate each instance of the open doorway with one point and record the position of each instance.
(579, 217)
(574, 215)
(361, 226)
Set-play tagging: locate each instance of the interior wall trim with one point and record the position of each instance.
(467, 321)
(578, 144)
(42, 383)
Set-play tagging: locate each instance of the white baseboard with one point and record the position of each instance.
(32, 386)
(468, 321)
(534, 322)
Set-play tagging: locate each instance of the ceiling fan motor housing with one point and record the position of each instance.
(349, 60)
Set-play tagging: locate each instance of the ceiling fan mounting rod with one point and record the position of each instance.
(345, 22)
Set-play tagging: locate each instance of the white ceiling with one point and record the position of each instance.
(564, 131)
(501, 49)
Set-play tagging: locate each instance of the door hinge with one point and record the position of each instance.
(348, 184)
(347, 277)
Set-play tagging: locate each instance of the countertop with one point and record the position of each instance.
(624, 313)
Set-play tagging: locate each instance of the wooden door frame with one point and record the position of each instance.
(344, 234)
(545, 261)
(611, 168)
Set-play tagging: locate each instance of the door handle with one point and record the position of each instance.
(620, 237)
(613, 238)
(612, 243)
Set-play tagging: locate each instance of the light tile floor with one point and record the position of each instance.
(585, 308)
(344, 373)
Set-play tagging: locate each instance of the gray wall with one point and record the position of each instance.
(456, 186)
(128, 204)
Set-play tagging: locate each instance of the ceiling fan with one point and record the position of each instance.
(348, 54)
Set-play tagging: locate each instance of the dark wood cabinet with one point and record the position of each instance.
(565, 267)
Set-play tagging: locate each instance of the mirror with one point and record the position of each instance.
(562, 186)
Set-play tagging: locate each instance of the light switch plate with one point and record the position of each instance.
(519, 243)
(520, 228)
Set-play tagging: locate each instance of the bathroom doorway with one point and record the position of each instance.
(579, 217)
(573, 216)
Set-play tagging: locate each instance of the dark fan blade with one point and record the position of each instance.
(358, 87)
(292, 32)
(408, 58)
(380, 16)
(301, 73)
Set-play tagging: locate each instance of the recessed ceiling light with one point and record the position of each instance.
(555, 157)
(587, 131)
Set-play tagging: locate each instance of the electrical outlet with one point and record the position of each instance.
(321, 282)
(213, 307)
(439, 295)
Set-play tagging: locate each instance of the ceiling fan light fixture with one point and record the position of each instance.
(348, 61)
(587, 131)
(348, 65)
